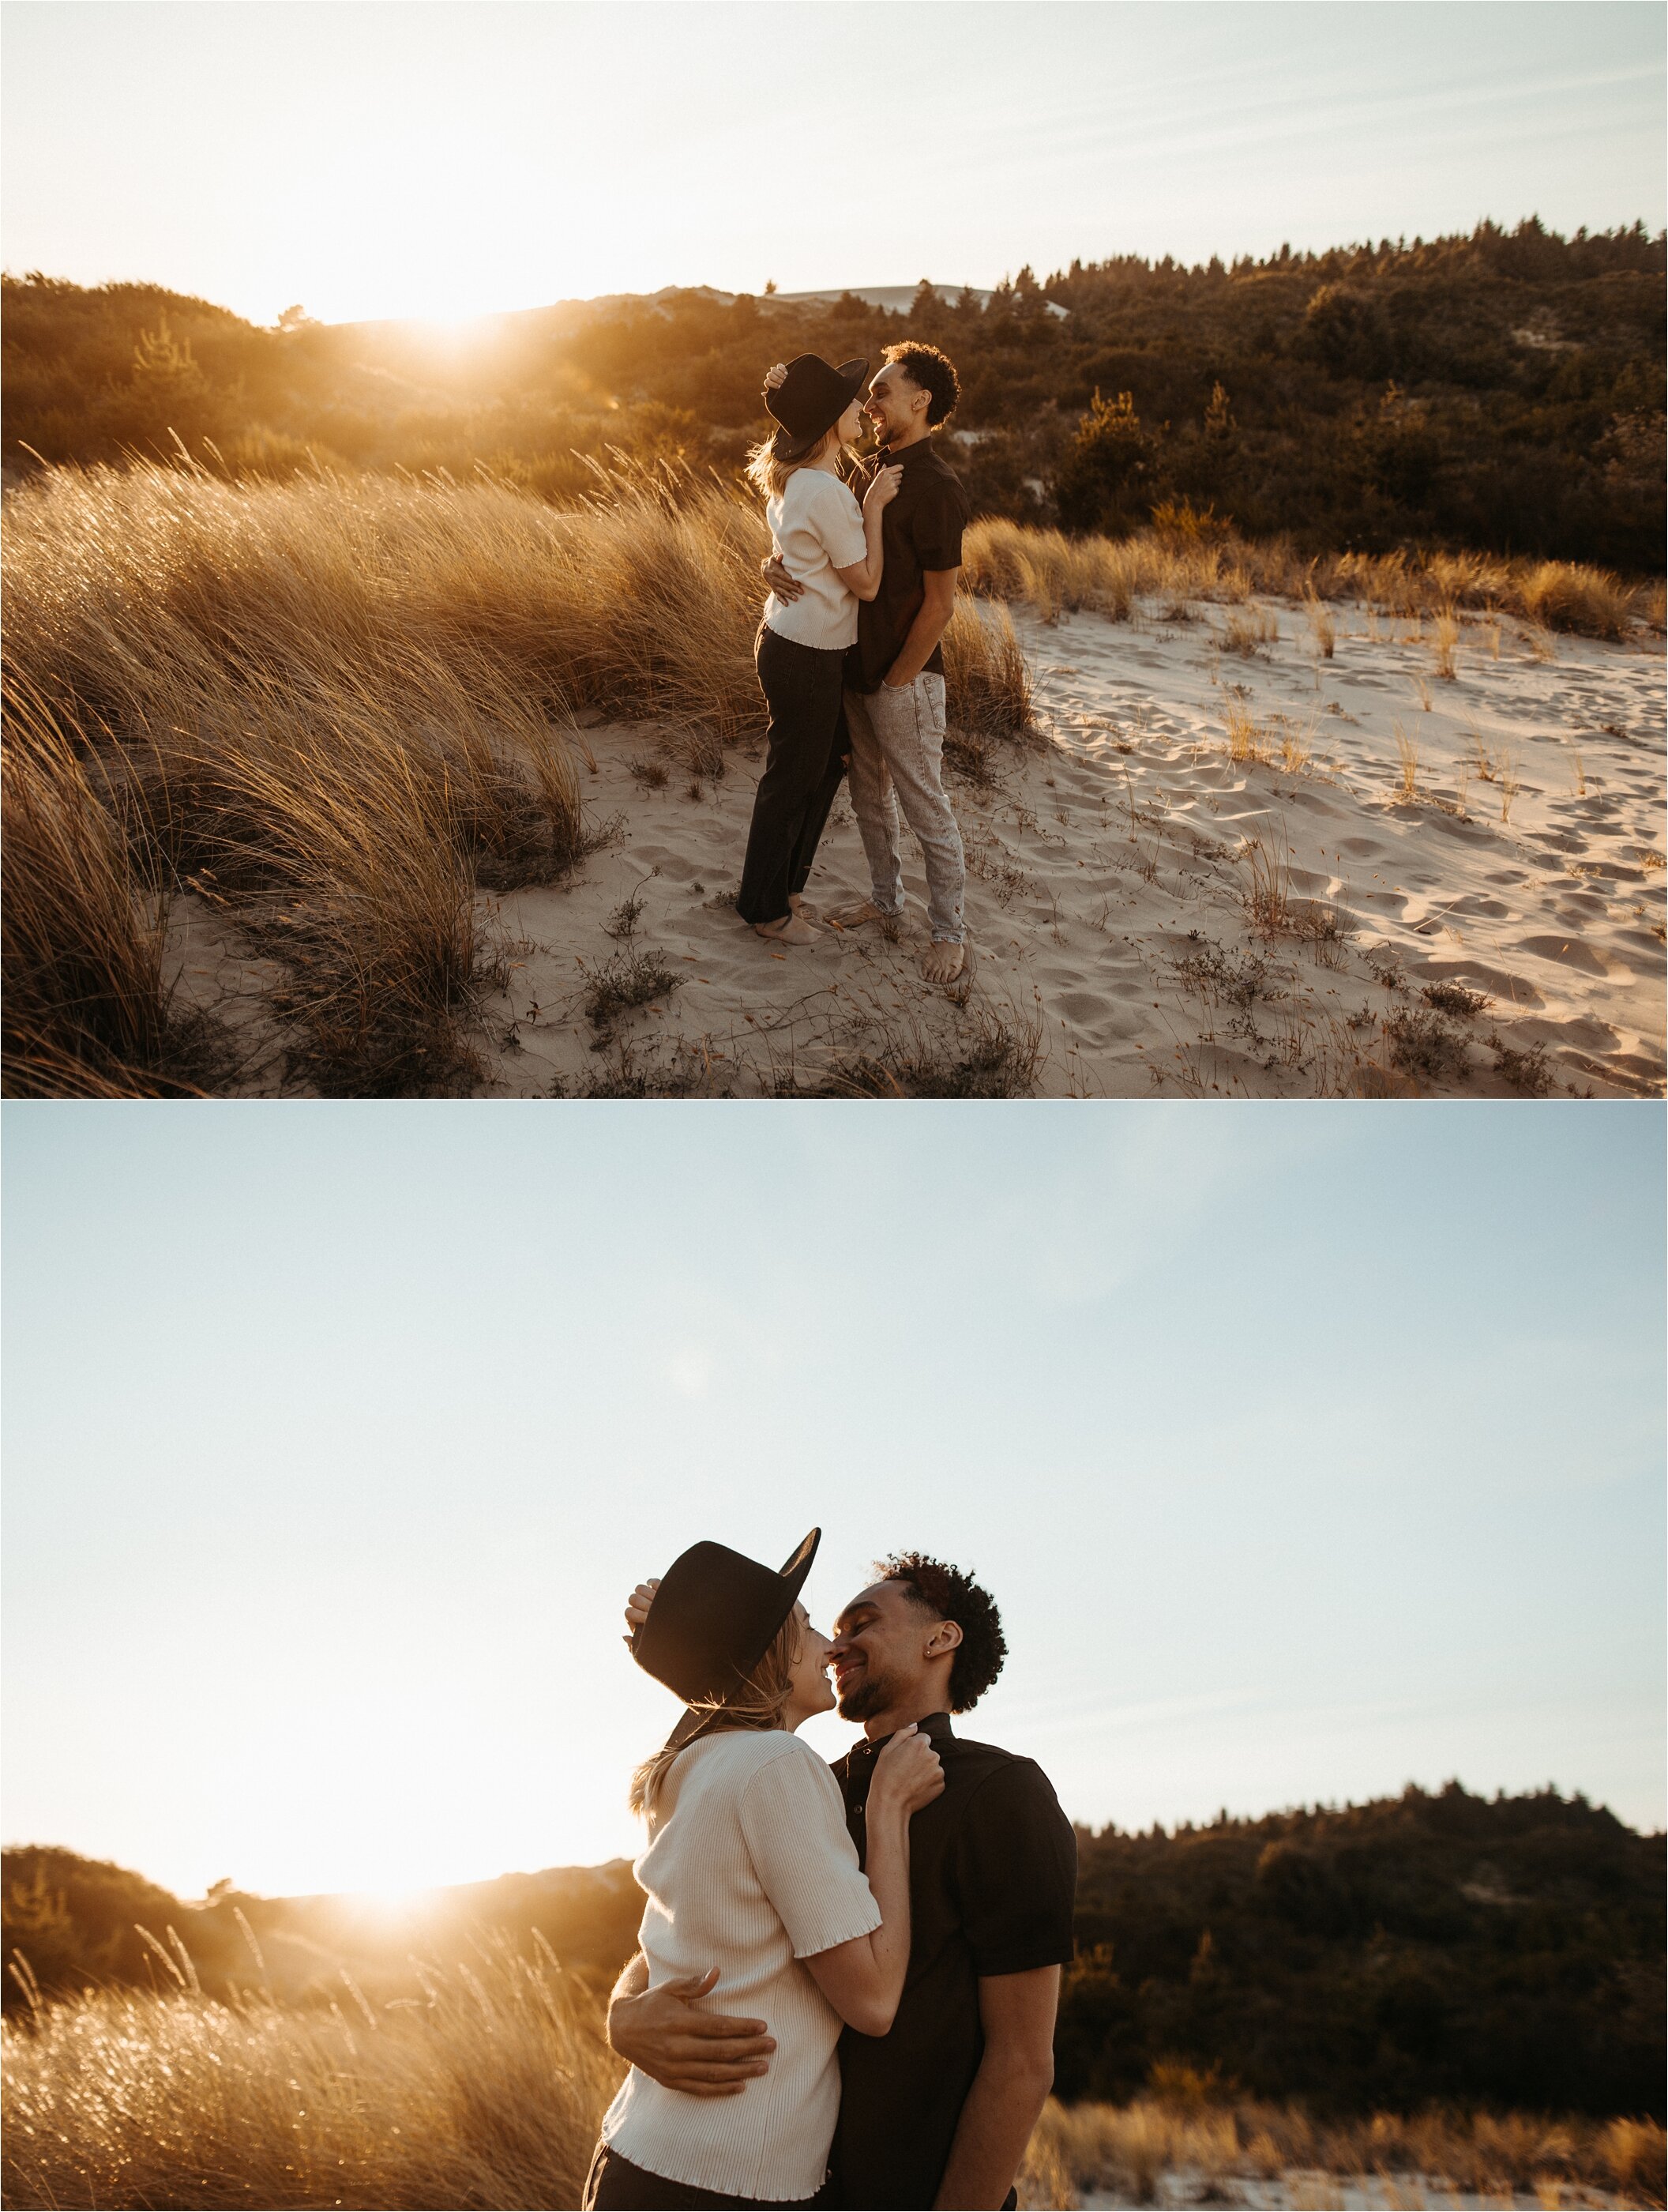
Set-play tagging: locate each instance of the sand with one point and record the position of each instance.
(1110, 867)
(1315, 2191)
(1115, 867)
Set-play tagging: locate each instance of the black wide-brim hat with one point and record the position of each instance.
(715, 1616)
(810, 400)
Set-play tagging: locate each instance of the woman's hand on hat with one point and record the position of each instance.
(637, 1604)
(885, 489)
(776, 374)
(908, 1773)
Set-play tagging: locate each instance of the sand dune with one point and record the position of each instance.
(1405, 884)
(1121, 874)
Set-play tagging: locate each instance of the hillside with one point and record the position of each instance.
(1426, 1947)
(77, 1922)
(1502, 392)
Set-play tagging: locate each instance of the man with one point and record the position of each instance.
(939, 2110)
(894, 673)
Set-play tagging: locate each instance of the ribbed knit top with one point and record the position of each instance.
(749, 1869)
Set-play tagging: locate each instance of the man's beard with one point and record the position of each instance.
(865, 1698)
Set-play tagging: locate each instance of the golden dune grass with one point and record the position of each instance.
(487, 2094)
(1126, 2149)
(340, 707)
(1052, 574)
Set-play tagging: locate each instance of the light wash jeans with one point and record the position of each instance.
(897, 740)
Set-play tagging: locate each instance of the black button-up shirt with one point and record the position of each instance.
(920, 529)
(992, 1877)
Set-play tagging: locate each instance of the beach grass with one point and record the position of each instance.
(487, 2091)
(1053, 574)
(335, 709)
(1207, 2144)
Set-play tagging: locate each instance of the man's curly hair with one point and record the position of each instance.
(948, 1594)
(933, 371)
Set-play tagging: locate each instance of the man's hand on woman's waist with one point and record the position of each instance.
(703, 2054)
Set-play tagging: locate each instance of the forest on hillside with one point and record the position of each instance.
(1501, 392)
(1431, 1948)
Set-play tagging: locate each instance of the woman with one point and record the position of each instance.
(833, 550)
(749, 1869)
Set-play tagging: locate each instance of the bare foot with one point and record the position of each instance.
(854, 917)
(942, 963)
(789, 930)
(800, 905)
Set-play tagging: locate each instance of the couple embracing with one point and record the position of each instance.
(896, 1924)
(849, 654)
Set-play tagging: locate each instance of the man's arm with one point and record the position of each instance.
(1016, 2012)
(930, 622)
(660, 2033)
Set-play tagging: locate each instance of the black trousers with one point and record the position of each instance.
(804, 691)
(615, 2185)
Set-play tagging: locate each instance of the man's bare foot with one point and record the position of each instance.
(942, 963)
(854, 917)
(791, 929)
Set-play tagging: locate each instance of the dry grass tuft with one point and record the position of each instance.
(340, 708)
(1268, 886)
(1054, 573)
(87, 1011)
(1321, 628)
(1445, 641)
(1199, 2142)
(1407, 754)
(1247, 634)
(488, 2093)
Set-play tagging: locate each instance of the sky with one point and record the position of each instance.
(1309, 1450)
(448, 158)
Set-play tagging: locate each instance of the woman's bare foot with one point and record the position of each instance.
(854, 917)
(942, 963)
(800, 905)
(791, 929)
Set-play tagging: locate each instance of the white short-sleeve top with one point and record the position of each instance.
(749, 1869)
(816, 527)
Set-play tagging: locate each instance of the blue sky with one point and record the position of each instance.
(416, 157)
(1308, 1450)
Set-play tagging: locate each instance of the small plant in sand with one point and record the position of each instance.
(1454, 999)
(1246, 741)
(1321, 628)
(1482, 760)
(1248, 633)
(1446, 639)
(1296, 749)
(1508, 785)
(1421, 1044)
(651, 773)
(1407, 755)
(626, 981)
(1421, 693)
(623, 919)
(1581, 775)
(1525, 1068)
(1268, 886)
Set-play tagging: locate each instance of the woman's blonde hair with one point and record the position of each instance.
(767, 475)
(756, 1702)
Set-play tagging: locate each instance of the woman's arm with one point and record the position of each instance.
(863, 1979)
(864, 576)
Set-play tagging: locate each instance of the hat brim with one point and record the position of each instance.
(699, 1720)
(785, 447)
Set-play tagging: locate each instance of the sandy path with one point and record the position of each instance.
(1110, 869)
